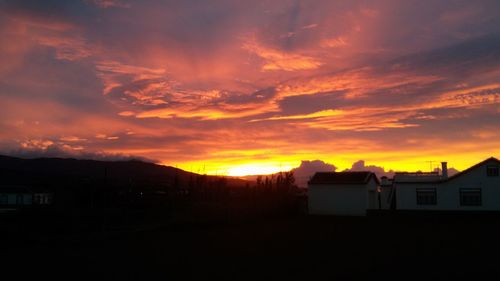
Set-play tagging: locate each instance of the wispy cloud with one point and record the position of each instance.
(335, 42)
(274, 59)
(109, 3)
(136, 84)
(67, 48)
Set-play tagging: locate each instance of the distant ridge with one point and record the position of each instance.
(15, 170)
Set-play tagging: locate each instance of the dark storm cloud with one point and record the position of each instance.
(73, 11)
(256, 97)
(61, 151)
(304, 104)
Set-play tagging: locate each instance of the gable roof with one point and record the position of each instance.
(472, 168)
(441, 180)
(342, 178)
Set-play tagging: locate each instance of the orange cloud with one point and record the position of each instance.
(106, 137)
(335, 42)
(358, 82)
(203, 113)
(319, 114)
(21, 33)
(379, 118)
(141, 85)
(280, 60)
(361, 119)
(67, 48)
(63, 36)
(126, 113)
(72, 139)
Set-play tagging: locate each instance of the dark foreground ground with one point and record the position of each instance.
(293, 248)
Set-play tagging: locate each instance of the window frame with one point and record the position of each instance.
(430, 190)
(491, 168)
(464, 191)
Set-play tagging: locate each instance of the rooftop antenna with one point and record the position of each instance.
(430, 164)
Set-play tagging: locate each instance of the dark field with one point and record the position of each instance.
(300, 247)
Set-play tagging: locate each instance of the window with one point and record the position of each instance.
(470, 197)
(426, 196)
(492, 171)
(42, 198)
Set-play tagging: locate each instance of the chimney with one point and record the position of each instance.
(444, 170)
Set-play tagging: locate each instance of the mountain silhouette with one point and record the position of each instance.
(118, 173)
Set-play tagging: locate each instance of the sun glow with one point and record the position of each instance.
(237, 169)
(256, 169)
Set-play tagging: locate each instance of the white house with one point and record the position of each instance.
(475, 189)
(344, 193)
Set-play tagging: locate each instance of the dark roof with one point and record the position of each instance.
(342, 178)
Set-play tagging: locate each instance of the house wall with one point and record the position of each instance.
(343, 200)
(448, 193)
(12, 198)
(385, 197)
(372, 187)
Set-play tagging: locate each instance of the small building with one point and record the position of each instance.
(19, 196)
(343, 193)
(15, 195)
(474, 189)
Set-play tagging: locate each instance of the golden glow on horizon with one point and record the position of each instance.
(389, 161)
(239, 169)
(255, 169)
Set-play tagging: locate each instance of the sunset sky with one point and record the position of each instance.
(246, 87)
